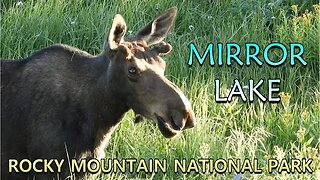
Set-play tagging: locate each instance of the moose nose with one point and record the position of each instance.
(181, 121)
(191, 120)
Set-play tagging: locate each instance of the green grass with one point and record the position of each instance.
(233, 130)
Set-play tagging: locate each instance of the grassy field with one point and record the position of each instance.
(289, 129)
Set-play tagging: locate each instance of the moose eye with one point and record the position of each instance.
(132, 71)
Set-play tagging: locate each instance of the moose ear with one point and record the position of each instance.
(156, 30)
(116, 33)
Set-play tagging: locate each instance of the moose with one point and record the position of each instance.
(62, 102)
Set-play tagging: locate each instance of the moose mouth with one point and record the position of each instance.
(165, 128)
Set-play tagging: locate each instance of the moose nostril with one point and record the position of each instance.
(174, 125)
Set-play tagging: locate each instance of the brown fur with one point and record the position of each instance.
(64, 99)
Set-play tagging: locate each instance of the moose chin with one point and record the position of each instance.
(62, 102)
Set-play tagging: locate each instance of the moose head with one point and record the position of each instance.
(136, 73)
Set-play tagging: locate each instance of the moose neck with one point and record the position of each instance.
(106, 106)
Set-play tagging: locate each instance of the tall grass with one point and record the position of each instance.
(231, 130)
